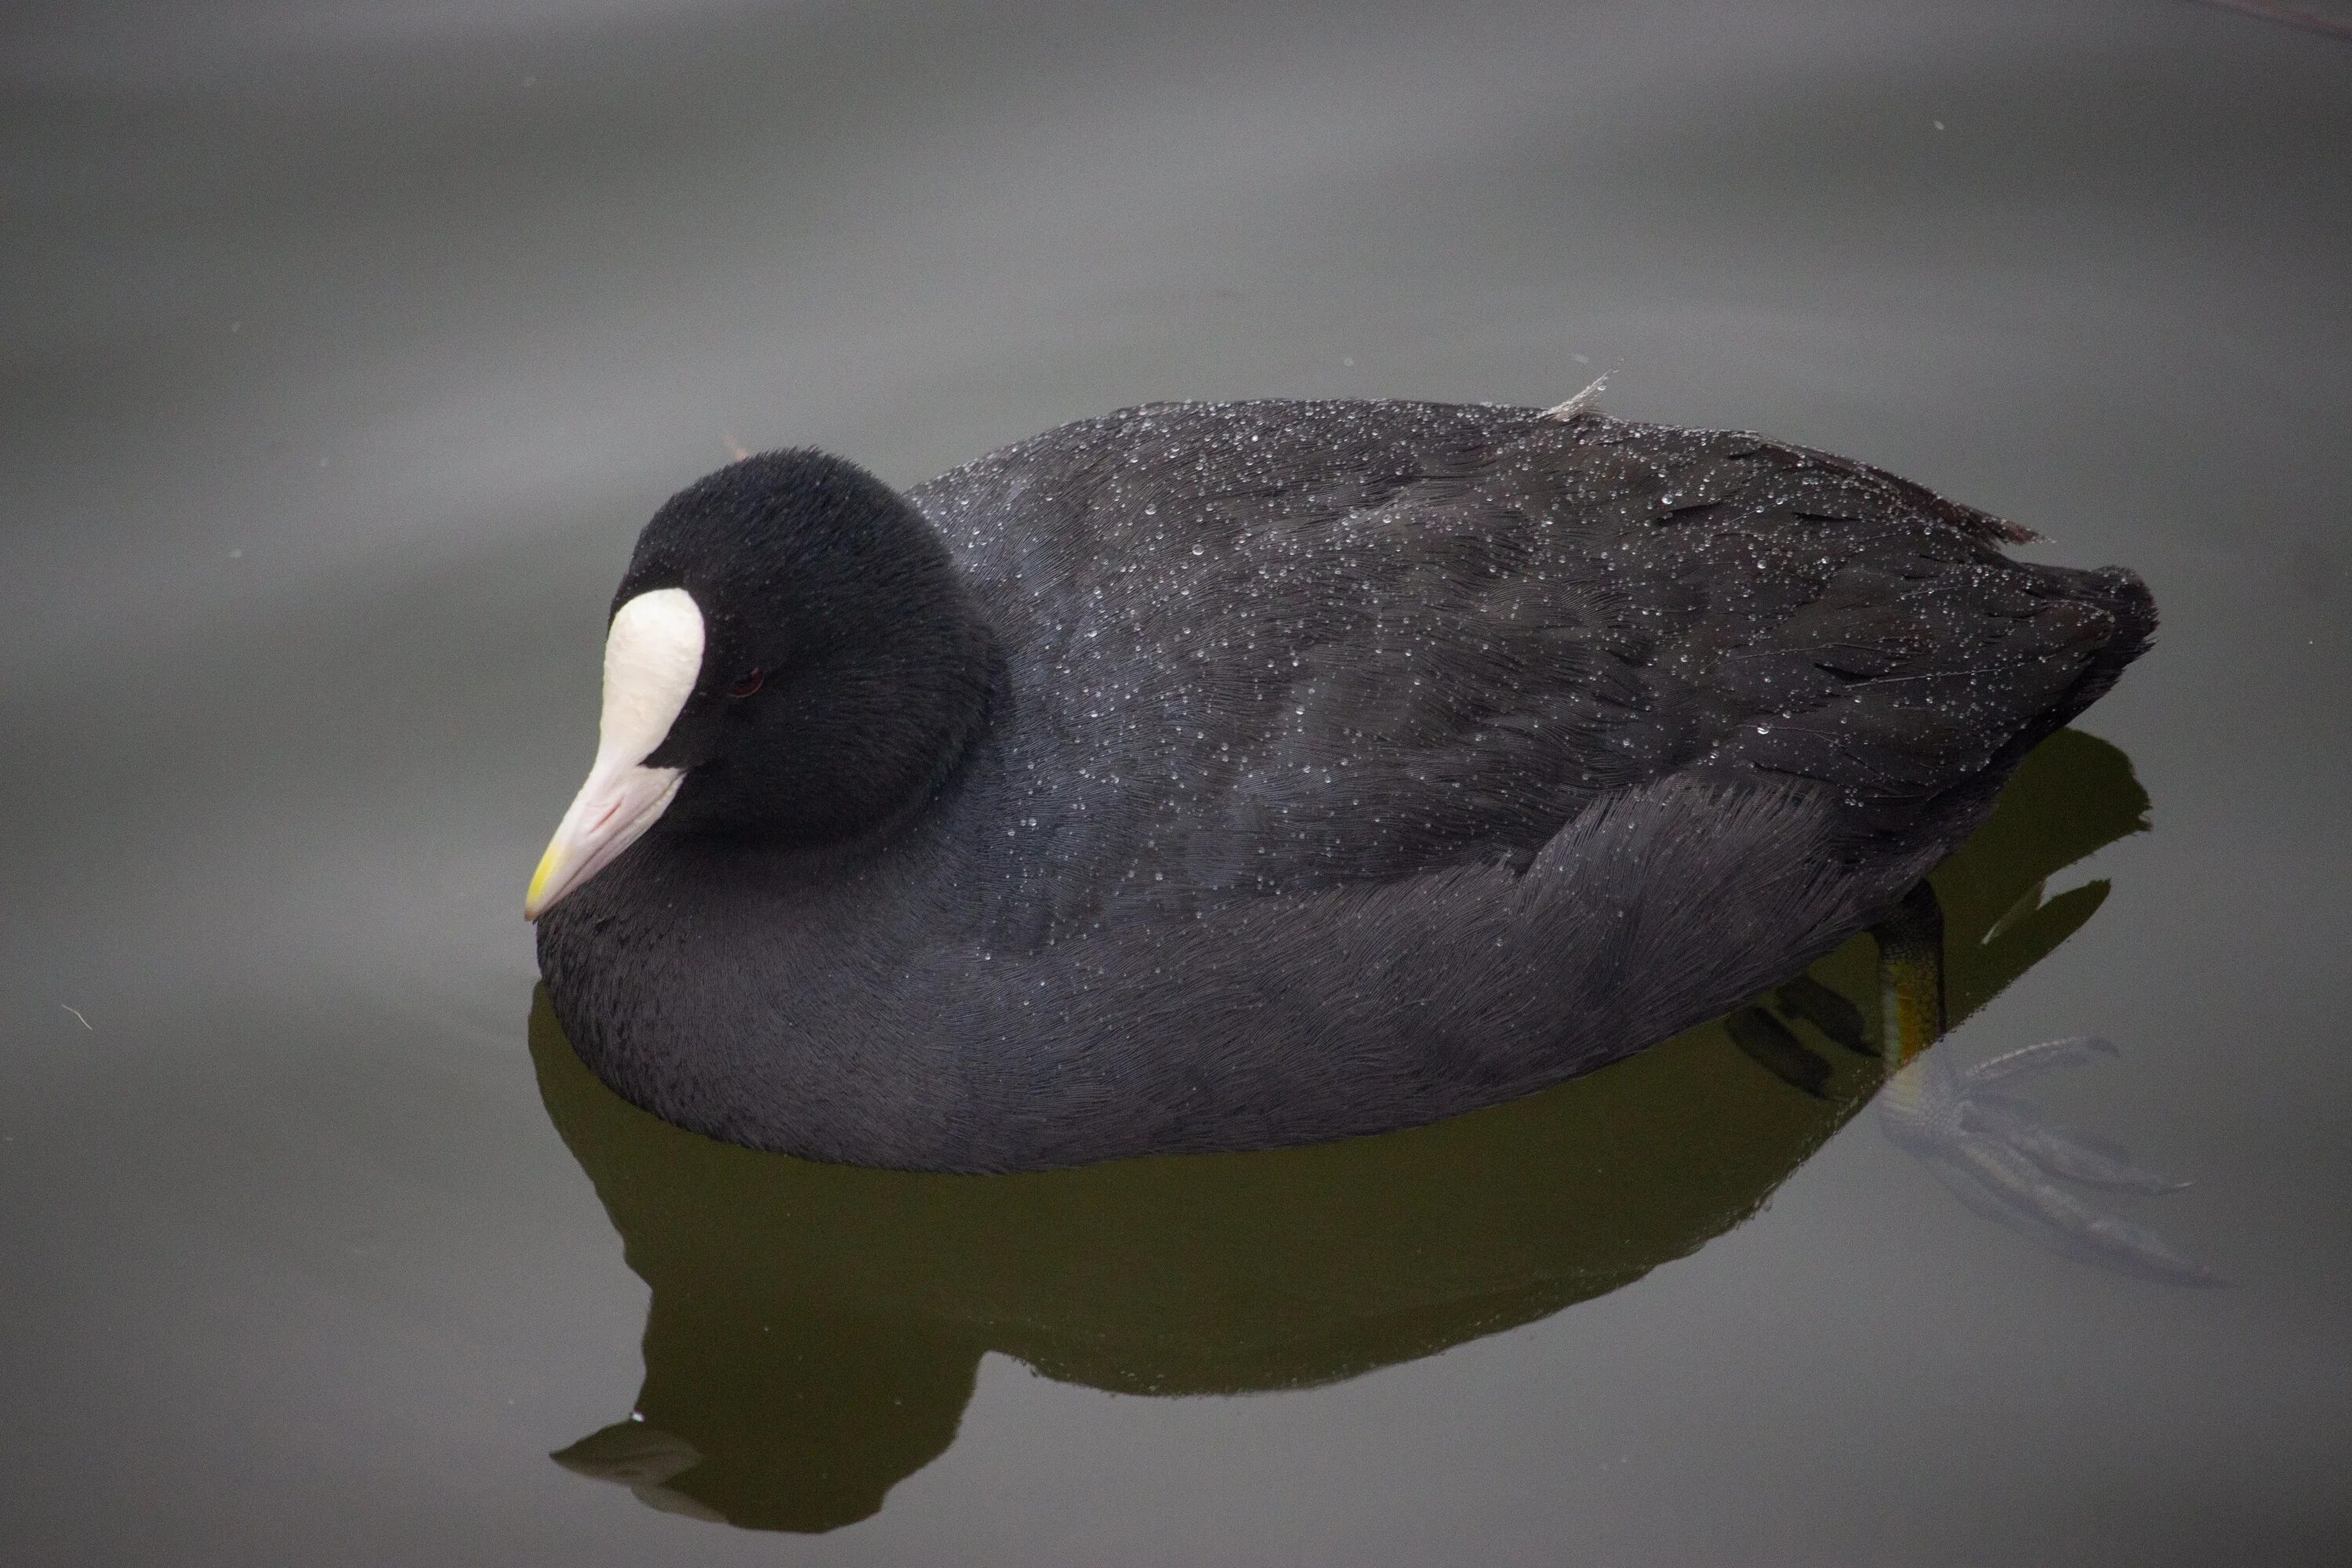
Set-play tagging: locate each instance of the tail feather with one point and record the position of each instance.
(2120, 592)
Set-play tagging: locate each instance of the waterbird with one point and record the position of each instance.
(1219, 777)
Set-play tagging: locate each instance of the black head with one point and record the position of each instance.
(843, 667)
(792, 656)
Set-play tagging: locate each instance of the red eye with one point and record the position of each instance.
(745, 687)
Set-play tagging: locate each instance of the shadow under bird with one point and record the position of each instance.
(1228, 776)
(814, 1331)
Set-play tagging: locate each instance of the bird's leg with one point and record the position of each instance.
(2002, 1157)
(1996, 1153)
(1806, 997)
(1774, 1046)
(1911, 1004)
(1910, 977)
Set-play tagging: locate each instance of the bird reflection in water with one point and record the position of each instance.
(815, 1330)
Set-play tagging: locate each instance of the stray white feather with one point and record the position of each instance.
(1581, 403)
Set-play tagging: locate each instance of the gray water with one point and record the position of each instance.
(347, 345)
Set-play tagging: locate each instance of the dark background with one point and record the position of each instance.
(343, 347)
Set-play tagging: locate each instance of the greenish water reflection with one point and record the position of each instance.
(815, 1330)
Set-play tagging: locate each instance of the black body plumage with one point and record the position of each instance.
(1224, 776)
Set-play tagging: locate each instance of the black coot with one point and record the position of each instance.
(1221, 776)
